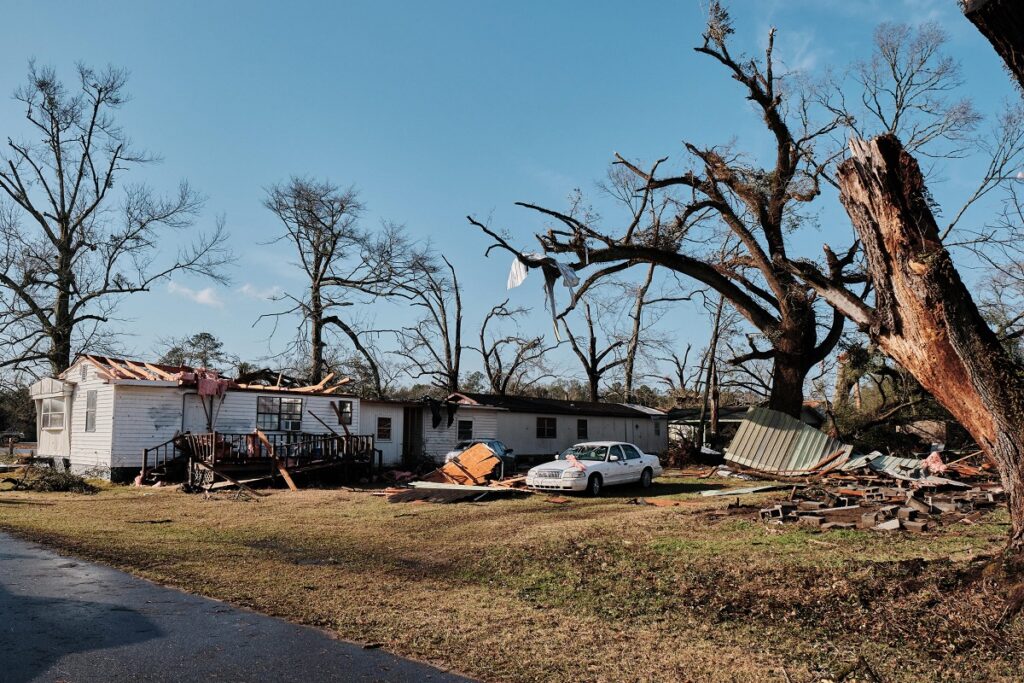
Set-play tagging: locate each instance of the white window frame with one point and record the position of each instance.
(344, 410)
(286, 421)
(49, 413)
(390, 424)
(90, 410)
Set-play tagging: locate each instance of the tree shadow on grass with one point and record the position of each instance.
(24, 502)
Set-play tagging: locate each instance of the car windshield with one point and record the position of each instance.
(585, 452)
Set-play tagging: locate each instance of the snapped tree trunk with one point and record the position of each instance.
(1002, 23)
(925, 317)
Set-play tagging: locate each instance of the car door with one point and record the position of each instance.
(634, 463)
(618, 472)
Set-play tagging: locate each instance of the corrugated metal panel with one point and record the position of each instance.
(884, 463)
(771, 441)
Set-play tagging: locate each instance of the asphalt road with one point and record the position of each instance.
(62, 619)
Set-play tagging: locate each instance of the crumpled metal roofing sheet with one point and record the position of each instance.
(774, 442)
(889, 464)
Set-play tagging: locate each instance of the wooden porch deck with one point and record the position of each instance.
(199, 460)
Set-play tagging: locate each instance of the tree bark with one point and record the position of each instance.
(796, 352)
(593, 386)
(925, 317)
(712, 359)
(634, 336)
(316, 334)
(1002, 23)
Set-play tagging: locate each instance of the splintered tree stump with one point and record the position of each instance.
(925, 317)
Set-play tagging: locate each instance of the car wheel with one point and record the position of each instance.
(594, 485)
(646, 477)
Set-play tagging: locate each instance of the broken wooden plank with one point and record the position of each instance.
(750, 489)
(228, 477)
(277, 463)
(161, 373)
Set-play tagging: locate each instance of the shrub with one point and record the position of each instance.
(45, 479)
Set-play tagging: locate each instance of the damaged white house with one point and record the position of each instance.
(100, 414)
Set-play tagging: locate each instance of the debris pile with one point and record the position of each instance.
(843, 490)
(884, 508)
(473, 474)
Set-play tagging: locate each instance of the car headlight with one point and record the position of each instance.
(573, 473)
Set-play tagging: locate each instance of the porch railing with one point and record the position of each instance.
(159, 455)
(291, 448)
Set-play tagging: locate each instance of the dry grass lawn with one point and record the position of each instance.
(602, 590)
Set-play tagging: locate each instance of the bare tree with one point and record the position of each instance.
(907, 88)
(682, 378)
(343, 264)
(432, 347)
(512, 363)
(595, 361)
(72, 246)
(726, 193)
(640, 339)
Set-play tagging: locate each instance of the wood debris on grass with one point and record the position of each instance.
(472, 475)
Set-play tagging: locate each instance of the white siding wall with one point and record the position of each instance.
(143, 417)
(90, 450)
(148, 416)
(519, 432)
(437, 442)
(368, 414)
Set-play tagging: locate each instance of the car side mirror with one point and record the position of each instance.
(613, 458)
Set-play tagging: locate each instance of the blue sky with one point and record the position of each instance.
(434, 111)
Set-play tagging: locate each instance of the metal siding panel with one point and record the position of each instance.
(774, 442)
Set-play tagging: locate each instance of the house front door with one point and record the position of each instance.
(195, 415)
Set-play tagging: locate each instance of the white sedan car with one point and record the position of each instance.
(593, 465)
